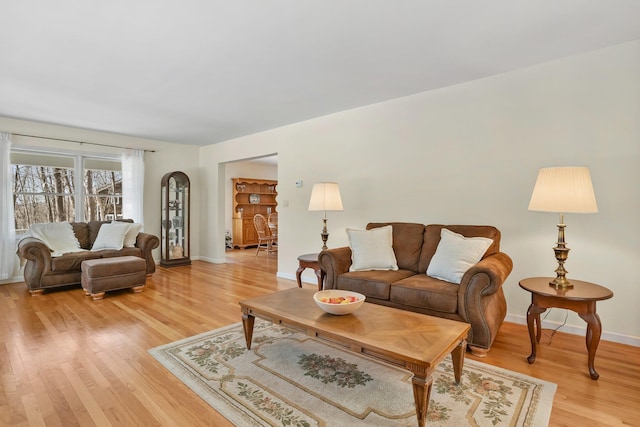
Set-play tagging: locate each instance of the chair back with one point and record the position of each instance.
(272, 220)
(260, 223)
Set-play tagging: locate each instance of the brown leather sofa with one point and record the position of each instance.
(477, 300)
(42, 271)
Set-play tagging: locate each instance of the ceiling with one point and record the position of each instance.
(205, 71)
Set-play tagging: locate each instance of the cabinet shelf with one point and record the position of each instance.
(257, 204)
(258, 192)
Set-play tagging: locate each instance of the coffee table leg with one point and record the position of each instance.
(457, 358)
(247, 325)
(421, 395)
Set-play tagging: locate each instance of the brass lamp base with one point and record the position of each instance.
(561, 283)
(324, 235)
(562, 253)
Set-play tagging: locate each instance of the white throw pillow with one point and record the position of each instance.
(111, 236)
(130, 237)
(372, 249)
(456, 254)
(59, 236)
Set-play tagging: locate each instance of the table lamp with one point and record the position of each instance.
(563, 190)
(325, 196)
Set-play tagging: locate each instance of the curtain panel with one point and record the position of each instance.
(8, 258)
(133, 184)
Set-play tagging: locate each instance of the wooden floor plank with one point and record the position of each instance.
(66, 360)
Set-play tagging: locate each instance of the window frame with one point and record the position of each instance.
(79, 160)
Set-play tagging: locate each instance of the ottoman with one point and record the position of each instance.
(109, 274)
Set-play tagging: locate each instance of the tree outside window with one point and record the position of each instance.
(45, 189)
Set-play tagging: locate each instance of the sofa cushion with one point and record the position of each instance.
(425, 292)
(372, 249)
(81, 230)
(129, 252)
(432, 234)
(372, 284)
(407, 243)
(72, 261)
(455, 255)
(132, 233)
(111, 236)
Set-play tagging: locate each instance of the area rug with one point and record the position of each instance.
(291, 379)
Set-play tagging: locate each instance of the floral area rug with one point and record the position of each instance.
(291, 379)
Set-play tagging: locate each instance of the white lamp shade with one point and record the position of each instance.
(563, 190)
(325, 196)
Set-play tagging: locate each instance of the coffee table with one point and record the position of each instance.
(414, 341)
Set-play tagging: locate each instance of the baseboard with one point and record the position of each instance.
(15, 279)
(292, 277)
(212, 260)
(577, 330)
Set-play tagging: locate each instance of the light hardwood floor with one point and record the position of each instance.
(66, 360)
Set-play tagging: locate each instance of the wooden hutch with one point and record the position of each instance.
(251, 196)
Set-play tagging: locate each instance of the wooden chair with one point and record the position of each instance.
(272, 221)
(264, 236)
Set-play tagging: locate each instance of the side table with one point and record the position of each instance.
(581, 298)
(310, 261)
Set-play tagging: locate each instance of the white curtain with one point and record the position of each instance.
(8, 257)
(133, 184)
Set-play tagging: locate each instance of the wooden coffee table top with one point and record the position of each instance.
(403, 336)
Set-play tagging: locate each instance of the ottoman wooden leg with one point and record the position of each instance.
(137, 289)
(97, 296)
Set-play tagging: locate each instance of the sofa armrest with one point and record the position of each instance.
(334, 262)
(38, 256)
(481, 300)
(496, 267)
(147, 243)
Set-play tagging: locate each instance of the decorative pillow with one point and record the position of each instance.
(59, 236)
(130, 237)
(111, 236)
(456, 254)
(372, 249)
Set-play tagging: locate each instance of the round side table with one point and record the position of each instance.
(309, 261)
(581, 298)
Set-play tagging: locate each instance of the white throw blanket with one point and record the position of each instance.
(59, 236)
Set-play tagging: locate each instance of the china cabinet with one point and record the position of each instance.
(174, 242)
(251, 196)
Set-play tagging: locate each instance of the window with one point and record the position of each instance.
(103, 190)
(49, 188)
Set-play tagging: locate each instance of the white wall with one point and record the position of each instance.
(470, 154)
(167, 157)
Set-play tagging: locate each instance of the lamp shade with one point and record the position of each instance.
(563, 190)
(325, 196)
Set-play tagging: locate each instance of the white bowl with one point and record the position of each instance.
(339, 309)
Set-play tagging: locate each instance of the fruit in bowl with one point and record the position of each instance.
(334, 301)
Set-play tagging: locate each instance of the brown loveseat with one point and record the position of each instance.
(477, 300)
(42, 271)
